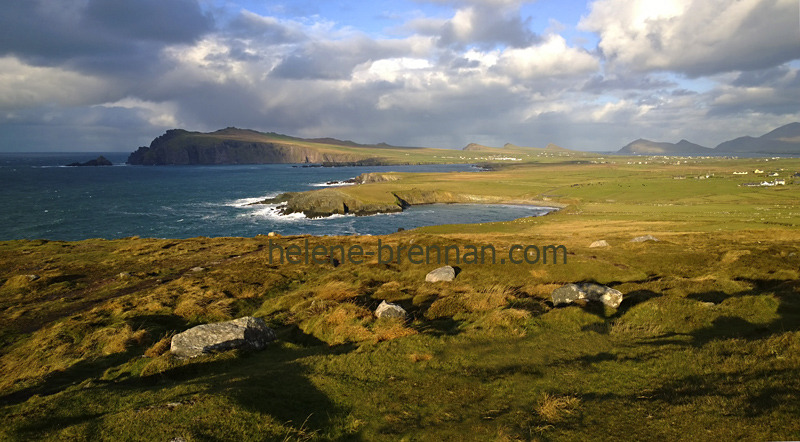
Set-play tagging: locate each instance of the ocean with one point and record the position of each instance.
(42, 199)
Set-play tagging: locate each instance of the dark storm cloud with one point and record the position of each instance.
(98, 34)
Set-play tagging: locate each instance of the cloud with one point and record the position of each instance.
(23, 86)
(773, 91)
(551, 58)
(696, 37)
(98, 35)
(113, 75)
(482, 23)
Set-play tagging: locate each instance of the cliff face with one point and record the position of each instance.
(178, 146)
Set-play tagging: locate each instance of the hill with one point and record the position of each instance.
(783, 140)
(647, 147)
(243, 146)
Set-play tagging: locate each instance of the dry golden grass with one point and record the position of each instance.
(506, 321)
(336, 291)
(160, 347)
(391, 328)
(340, 323)
(420, 357)
(554, 408)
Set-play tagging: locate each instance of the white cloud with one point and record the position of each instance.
(552, 58)
(23, 85)
(696, 37)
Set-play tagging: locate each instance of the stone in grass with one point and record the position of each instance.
(245, 333)
(599, 243)
(446, 273)
(388, 310)
(644, 238)
(587, 290)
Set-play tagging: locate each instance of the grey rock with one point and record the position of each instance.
(246, 333)
(599, 243)
(446, 273)
(644, 238)
(388, 310)
(592, 292)
(198, 269)
(32, 277)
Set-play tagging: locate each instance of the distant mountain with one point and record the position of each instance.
(476, 146)
(647, 147)
(783, 140)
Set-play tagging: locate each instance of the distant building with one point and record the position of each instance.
(740, 173)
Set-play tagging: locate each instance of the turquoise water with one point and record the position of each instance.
(42, 199)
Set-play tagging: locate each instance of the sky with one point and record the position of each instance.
(111, 75)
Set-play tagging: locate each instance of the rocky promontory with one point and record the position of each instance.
(332, 201)
(242, 146)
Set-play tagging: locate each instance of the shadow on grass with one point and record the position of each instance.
(273, 382)
(439, 327)
(56, 381)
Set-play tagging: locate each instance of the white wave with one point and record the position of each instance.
(273, 212)
(331, 184)
(338, 215)
(246, 202)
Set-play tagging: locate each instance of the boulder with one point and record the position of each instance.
(446, 273)
(388, 310)
(592, 292)
(600, 243)
(246, 333)
(644, 238)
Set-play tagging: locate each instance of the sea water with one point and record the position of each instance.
(41, 198)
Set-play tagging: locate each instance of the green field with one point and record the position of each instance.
(706, 344)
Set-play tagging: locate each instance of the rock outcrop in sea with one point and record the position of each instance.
(99, 161)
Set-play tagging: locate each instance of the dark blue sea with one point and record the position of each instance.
(42, 199)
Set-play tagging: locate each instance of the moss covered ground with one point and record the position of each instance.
(706, 344)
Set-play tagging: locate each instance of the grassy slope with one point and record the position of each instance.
(706, 344)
